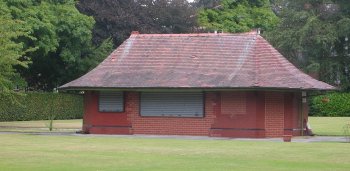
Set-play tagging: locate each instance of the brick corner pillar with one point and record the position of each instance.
(88, 100)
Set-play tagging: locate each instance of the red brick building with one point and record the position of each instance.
(217, 84)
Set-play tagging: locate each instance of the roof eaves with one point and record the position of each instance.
(82, 88)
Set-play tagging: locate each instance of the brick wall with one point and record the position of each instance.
(292, 116)
(274, 114)
(174, 125)
(96, 122)
(242, 115)
(228, 114)
(233, 103)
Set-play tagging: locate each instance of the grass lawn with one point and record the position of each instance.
(42, 126)
(44, 152)
(328, 125)
(57, 152)
(320, 125)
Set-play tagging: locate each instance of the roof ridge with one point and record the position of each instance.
(256, 65)
(193, 34)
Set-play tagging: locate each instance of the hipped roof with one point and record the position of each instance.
(204, 60)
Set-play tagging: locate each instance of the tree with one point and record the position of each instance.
(11, 52)
(117, 19)
(62, 38)
(207, 3)
(238, 16)
(314, 35)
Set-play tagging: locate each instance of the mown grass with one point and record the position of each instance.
(329, 125)
(322, 126)
(41, 152)
(44, 152)
(41, 126)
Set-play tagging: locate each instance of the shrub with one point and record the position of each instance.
(332, 104)
(42, 106)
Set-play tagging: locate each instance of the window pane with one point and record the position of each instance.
(110, 101)
(172, 104)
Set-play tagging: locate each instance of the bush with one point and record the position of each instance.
(42, 106)
(332, 104)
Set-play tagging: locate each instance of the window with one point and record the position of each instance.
(111, 101)
(174, 104)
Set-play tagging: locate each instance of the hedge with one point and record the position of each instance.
(42, 106)
(332, 104)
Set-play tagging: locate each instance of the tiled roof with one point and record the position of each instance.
(209, 60)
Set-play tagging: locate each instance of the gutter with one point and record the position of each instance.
(194, 88)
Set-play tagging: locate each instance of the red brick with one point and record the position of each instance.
(228, 114)
(274, 114)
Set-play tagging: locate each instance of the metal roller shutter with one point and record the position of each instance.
(111, 101)
(172, 104)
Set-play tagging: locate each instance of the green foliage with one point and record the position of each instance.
(313, 33)
(239, 16)
(116, 19)
(42, 106)
(332, 104)
(11, 51)
(96, 56)
(61, 36)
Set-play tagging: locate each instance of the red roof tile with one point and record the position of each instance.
(206, 60)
